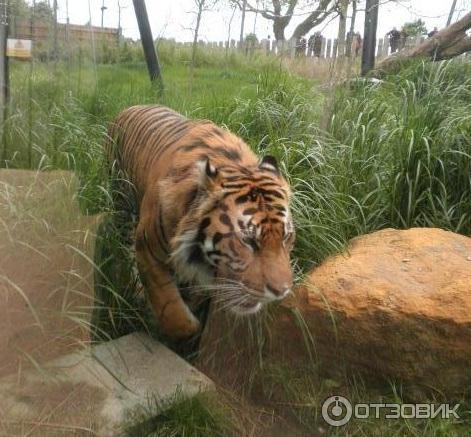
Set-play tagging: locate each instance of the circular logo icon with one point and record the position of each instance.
(337, 410)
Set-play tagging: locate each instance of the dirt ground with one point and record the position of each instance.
(46, 274)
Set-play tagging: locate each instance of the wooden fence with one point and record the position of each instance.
(329, 47)
(42, 31)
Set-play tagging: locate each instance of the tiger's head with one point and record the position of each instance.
(238, 236)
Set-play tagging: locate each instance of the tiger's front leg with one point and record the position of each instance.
(174, 317)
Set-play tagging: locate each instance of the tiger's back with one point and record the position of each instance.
(149, 142)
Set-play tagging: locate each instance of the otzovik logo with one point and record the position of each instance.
(338, 411)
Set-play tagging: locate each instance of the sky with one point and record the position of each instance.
(175, 18)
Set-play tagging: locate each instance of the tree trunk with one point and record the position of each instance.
(352, 28)
(448, 43)
(279, 26)
(229, 29)
(195, 43)
(342, 28)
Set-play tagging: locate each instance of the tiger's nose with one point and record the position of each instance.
(277, 292)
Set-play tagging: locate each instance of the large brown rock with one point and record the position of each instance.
(397, 306)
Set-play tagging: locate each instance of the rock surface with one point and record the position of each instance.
(101, 390)
(398, 306)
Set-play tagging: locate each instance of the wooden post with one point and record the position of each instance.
(380, 48)
(292, 47)
(56, 42)
(30, 88)
(242, 24)
(386, 47)
(120, 8)
(335, 48)
(148, 42)
(67, 21)
(323, 47)
(3, 77)
(369, 42)
(103, 9)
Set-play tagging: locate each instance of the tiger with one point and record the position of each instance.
(209, 211)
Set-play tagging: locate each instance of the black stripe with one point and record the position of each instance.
(196, 144)
(235, 186)
(225, 219)
(242, 199)
(161, 226)
(196, 255)
(271, 193)
(217, 237)
(250, 211)
(231, 154)
(191, 197)
(150, 250)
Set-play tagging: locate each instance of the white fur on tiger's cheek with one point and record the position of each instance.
(245, 219)
(208, 244)
(204, 167)
(258, 232)
(180, 260)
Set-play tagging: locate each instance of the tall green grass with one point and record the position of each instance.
(394, 154)
(58, 118)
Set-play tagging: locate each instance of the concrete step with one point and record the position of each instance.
(101, 390)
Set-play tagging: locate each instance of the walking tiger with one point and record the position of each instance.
(210, 213)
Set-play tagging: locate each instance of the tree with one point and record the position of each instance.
(343, 9)
(282, 11)
(352, 28)
(251, 38)
(19, 8)
(22, 10)
(415, 28)
(202, 6)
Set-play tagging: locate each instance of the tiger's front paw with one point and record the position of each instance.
(180, 325)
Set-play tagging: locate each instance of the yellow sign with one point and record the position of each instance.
(19, 48)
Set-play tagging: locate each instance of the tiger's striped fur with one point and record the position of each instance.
(210, 212)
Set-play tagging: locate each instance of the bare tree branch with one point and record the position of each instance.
(281, 19)
(323, 10)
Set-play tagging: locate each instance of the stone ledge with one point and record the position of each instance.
(98, 389)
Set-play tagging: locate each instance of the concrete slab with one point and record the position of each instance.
(98, 391)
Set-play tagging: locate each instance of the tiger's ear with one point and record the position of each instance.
(269, 163)
(209, 175)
